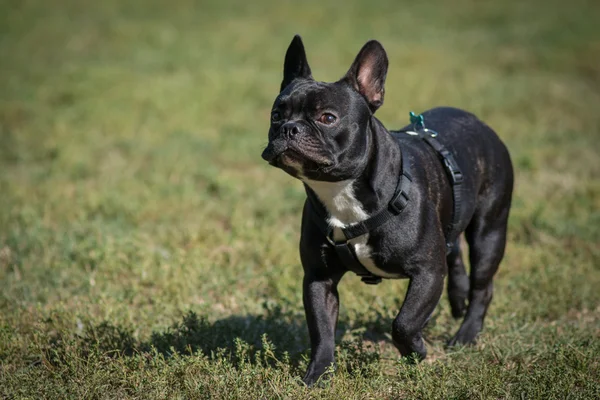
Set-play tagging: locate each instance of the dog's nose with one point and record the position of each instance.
(290, 129)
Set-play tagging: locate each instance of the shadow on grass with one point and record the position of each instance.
(284, 331)
(195, 333)
(237, 339)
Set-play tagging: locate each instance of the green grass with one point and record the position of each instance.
(146, 251)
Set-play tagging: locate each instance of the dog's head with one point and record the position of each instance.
(319, 130)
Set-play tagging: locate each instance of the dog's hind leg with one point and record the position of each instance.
(486, 235)
(458, 281)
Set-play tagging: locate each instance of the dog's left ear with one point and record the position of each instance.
(296, 64)
(367, 73)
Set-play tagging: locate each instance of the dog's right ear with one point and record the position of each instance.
(296, 65)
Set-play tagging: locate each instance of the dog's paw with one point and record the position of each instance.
(310, 379)
(467, 334)
(318, 377)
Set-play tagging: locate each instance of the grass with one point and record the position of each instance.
(146, 251)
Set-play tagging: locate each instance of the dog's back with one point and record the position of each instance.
(482, 157)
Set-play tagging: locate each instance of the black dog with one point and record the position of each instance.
(388, 204)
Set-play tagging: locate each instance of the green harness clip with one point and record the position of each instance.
(417, 120)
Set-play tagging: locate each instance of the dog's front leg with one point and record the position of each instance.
(423, 295)
(321, 303)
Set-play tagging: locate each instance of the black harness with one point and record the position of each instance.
(396, 205)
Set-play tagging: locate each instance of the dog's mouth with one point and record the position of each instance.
(293, 157)
(287, 157)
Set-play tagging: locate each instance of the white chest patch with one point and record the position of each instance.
(344, 210)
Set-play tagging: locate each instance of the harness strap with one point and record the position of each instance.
(452, 170)
(344, 249)
(456, 178)
(398, 203)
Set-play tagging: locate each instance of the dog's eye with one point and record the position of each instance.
(327, 119)
(275, 116)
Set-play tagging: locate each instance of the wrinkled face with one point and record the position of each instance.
(318, 130)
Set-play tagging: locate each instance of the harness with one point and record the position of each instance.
(396, 205)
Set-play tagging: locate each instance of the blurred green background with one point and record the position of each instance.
(145, 247)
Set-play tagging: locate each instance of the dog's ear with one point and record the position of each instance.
(296, 65)
(367, 73)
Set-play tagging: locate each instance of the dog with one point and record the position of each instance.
(388, 204)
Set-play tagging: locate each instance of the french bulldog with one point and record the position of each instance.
(326, 135)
